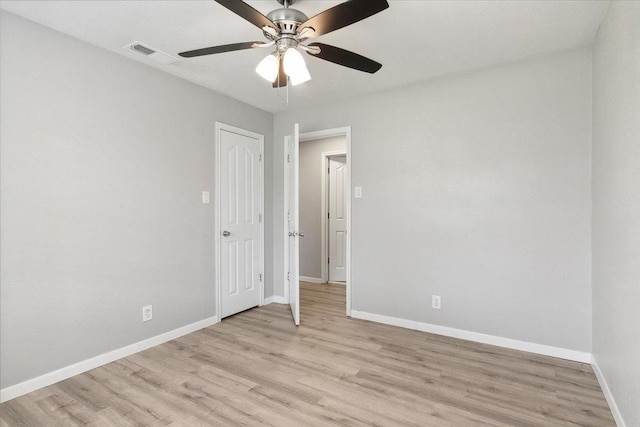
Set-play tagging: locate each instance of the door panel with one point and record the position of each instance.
(337, 219)
(240, 199)
(293, 186)
(233, 267)
(249, 190)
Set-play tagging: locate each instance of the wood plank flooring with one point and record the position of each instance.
(256, 368)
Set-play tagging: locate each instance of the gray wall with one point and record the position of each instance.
(616, 205)
(311, 164)
(476, 187)
(103, 161)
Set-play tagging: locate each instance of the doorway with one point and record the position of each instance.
(294, 258)
(239, 224)
(334, 211)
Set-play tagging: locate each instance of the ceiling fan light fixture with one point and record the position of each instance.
(300, 77)
(288, 28)
(268, 68)
(295, 67)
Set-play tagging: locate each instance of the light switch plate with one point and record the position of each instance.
(206, 199)
(357, 192)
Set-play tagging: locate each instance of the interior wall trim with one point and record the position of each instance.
(277, 299)
(310, 279)
(615, 411)
(546, 350)
(53, 377)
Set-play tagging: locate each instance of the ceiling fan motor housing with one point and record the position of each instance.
(288, 20)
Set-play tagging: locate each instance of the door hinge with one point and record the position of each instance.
(328, 215)
(328, 262)
(260, 157)
(287, 158)
(260, 218)
(288, 275)
(329, 170)
(261, 277)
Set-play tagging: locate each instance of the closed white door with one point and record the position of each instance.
(240, 175)
(337, 219)
(293, 223)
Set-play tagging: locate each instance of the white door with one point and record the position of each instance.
(337, 219)
(240, 204)
(293, 223)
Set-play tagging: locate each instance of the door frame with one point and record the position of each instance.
(309, 136)
(217, 229)
(324, 208)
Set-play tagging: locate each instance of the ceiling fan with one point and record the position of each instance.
(289, 29)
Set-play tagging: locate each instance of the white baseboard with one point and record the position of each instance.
(275, 299)
(546, 350)
(319, 281)
(310, 279)
(617, 416)
(86, 365)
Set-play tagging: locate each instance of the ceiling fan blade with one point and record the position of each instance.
(344, 14)
(219, 49)
(345, 58)
(245, 11)
(281, 80)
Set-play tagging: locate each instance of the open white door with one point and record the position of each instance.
(293, 223)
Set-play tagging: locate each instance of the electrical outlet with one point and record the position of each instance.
(435, 302)
(147, 313)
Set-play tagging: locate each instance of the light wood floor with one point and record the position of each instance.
(256, 368)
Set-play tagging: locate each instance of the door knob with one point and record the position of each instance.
(301, 234)
(225, 233)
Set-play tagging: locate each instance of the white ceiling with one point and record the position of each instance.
(414, 40)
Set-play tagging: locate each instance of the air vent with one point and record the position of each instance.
(150, 53)
(142, 49)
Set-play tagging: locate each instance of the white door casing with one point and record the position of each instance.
(337, 219)
(239, 224)
(292, 149)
